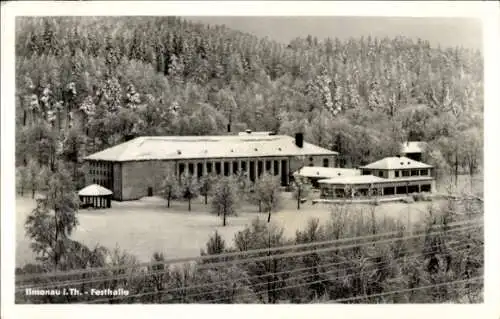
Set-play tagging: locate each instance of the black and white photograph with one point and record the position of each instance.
(277, 159)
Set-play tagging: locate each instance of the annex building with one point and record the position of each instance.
(397, 175)
(136, 168)
(316, 173)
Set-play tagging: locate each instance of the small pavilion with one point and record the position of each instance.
(95, 196)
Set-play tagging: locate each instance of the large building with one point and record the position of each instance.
(397, 175)
(136, 168)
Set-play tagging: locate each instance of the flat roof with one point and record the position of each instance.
(361, 179)
(396, 162)
(326, 172)
(370, 179)
(195, 147)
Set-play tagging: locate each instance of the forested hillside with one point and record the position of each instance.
(84, 84)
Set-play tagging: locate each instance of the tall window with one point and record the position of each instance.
(326, 162)
(381, 173)
(226, 168)
(199, 168)
(396, 173)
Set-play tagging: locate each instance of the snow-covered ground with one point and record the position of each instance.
(147, 225)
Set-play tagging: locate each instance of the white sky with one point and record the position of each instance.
(466, 32)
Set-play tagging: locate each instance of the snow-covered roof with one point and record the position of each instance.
(326, 172)
(361, 179)
(191, 147)
(396, 162)
(94, 190)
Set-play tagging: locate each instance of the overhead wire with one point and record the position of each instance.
(231, 254)
(232, 280)
(166, 291)
(160, 271)
(297, 254)
(312, 275)
(346, 299)
(409, 289)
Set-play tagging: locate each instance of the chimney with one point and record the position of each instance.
(299, 139)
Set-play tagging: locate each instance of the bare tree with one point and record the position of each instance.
(301, 189)
(225, 199)
(189, 187)
(207, 183)
(268, 192)
(170, 186)
(472, 150)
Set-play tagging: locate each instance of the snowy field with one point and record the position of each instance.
(145, 226)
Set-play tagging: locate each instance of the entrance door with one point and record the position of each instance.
(150, 191)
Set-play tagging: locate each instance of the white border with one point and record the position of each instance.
(490, 15)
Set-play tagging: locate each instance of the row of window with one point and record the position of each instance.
(326, 162)
(399, 190)
(413, 172)
(100, 172)
(253, 169)
(104, 165)
(398, 173)
(101, 168)
(227, 167)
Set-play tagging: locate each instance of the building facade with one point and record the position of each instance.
(389, 176)
(137, 168)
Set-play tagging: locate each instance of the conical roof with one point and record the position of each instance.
(94, 190)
